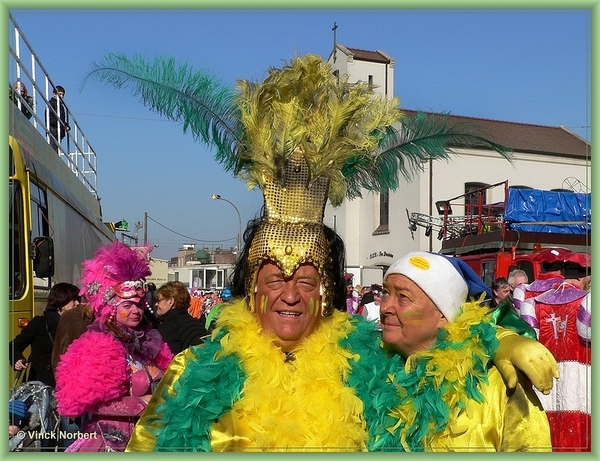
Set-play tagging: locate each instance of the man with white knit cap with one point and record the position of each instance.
(433, 311)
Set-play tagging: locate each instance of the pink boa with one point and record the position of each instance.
(94, 371)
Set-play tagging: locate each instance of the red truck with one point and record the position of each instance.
(516, 233)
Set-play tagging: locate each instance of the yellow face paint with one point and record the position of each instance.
(123, 314)
(263, 303)
(312, 306)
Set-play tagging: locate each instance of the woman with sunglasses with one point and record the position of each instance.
(112, 369)
(177, 327)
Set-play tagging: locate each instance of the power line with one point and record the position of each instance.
(185, 236)
(118, 116)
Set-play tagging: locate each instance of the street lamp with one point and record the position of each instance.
(239, 236)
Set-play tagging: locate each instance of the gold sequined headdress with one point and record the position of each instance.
(291, 231)
(303, 136)
(301, 126)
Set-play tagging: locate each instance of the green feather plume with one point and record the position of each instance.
(404, 150)
(205, 106)
(349, 135)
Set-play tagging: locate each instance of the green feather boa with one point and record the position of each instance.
(403, 406)
(212, 382)
(437, 383)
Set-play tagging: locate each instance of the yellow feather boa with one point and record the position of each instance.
(301, 404)
(438, 382)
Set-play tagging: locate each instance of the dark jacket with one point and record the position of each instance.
(180, 330)
(53, 119)
(73, 323)
(39, 334)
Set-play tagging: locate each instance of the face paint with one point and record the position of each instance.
(287, 306)
(264, 300)
(123, 314)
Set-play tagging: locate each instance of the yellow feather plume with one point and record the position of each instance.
(304, 105)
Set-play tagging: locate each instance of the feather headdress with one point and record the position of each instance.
(115, 273)
(302, 136)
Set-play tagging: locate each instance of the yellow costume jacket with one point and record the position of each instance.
(339, 391)
(456, 400)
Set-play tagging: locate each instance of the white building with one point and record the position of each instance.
(202, 268)
(375, 228)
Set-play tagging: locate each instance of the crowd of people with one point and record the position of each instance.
(290, 334)
(299, 359)
(557, 305)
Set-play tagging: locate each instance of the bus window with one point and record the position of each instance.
(39, 223)
(17, 245)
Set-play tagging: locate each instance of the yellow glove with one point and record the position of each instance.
(529, 356)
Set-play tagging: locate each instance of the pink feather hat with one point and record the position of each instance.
(115, 273)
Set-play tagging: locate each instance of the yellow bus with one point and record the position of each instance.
(55, 217)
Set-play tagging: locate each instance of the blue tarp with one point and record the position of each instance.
(571, 211)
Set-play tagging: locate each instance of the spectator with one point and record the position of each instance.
(517, 277)
(518, 281)
(111, 370)
(150, 311)
(501, 291)
(207, 304)
(24, 101)
(351, 295)
(195, 309)
(177, 327)
(366, 297)
(427, 316)
(57, 117)
(371, 309)
(209, 321)
(72, 325)
(40, 333)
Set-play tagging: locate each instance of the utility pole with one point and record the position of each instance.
(138, 226)
(145, 228)
(239, 236)
(334, 40)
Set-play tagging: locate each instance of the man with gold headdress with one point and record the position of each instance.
(287, 369)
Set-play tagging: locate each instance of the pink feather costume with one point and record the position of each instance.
(101, 376)
(96, 376)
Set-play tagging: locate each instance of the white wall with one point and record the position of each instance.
(383, 74)
(356, 220)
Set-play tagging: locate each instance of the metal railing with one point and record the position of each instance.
(25, 67)
(477, 216)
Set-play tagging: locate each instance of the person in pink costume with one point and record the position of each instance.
(111, 370)
(559, 309)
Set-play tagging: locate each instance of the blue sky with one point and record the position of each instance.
(527, 66)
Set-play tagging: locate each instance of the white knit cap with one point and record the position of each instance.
(437, 277)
